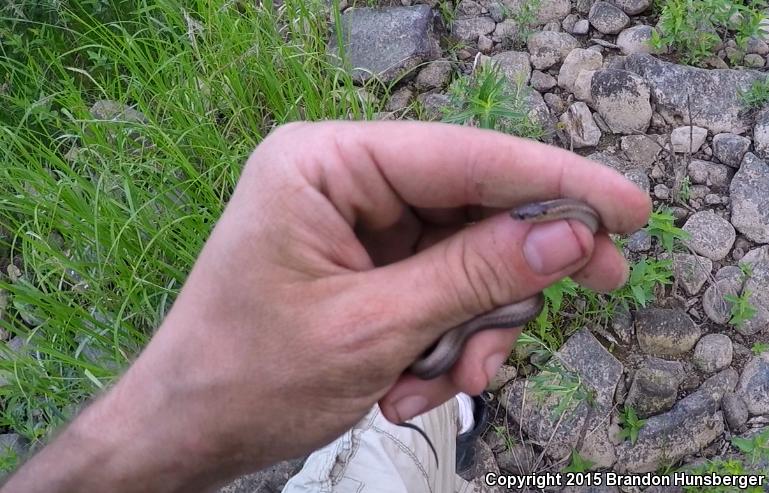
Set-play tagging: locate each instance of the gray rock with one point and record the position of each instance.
(108, 110)
(515, 65)
(400, 99)
(655, 386)
(581, 27)
(708, 173)
(710, 235)
(577, 61)
(484, 463)
(583, 6)
(506, 32)
(688, 139)
(497, 11)
(633, 7)
(387, 42)
(641, 149)
(713, 353)
(640, 178)
(555, 103)
(761, 133)
(754, 384)
(757, 46)
(539, 114)
(754, 61)
(470, 28)
(661, 191)
(568, 23)
(546, 10)
(691, 425)
(714, 305)
(749, 193)
(691, 271)
(542, 82)
(721, 383)
(735, 411)
(622, 324)
(582, 86)
(485, 44)
(580, 128)
(548, 48)
(518, 459)
(641, 241)
(715, 94)
(435, 75)
(607, 18)
(503, 375)
(269, 480)
(730, 148)
(757, 284)
(433, 104)
(468, 8)
(635, 39)
(665, 332)
(622, 99)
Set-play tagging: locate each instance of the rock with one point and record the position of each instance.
(730, 148)
(655, 386)
(641, 180)
(568, 23)
(712, 353)
(622, 324)
(555, 103)
(577, 61)
(633, 7)
(539, 114)
(435, 75)
(582, 86)
(691, 271)
(515, 65)
(269, 480)
(622, 99)
(13, 443)
(754, 384)
(715, 103)
(757, 46)
(468, 8)
(641, 149)
(665, 332)
(688, 140)
(518, 459)
(607, 18)
(497, 11)
(714, 305)
(108, 110)
(710, 235)
(581, 27)
(484, 463)
(503, 375)
(579, 126)
(548, 48)
(387, 42)
(546, 10)
(542, 82)
(757, 284)
(708, 173)
(400, 99)
(721, 383)
(641, 241)
(749, 193)
(691, 425)
(761, 133)
(470, 28)
(485, 44)
(754, 61)
(735, 411)
(506, 32)
(661, 191)
(635, 39)
(433, 104)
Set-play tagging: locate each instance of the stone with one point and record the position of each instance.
(757, 46)
(539, 114)
(515, 65)
(761, 133)
(655, 386)
(641, 149)
(433, 104)
(754, 384)
(387, 42)
(721, 383)
(622, 324)
(400, 99)
(635, 39)
(548, 48)
(641, 241)
(716, 308)
(555, 103)
(691, 271)
(581, 27)
(468, 8)
(712, 353)
(633, 7)
(542, 82)
(754, 61)
(757, 284)
(568, 23)
(735, 411)
(268, 480)
(435, 75)
(641, 180)
(506, 32)
(485, 44)
(749, 192)
(688, 139)
(710, 235)
(470, 28)
(503, 375)
(665, 332)
(730, 148)
(622, 99)
(577, 61)
(715, 103)
(607, 18)
(546, 10)
(692, 424)
(517, 459)
(580, 128)
(497, 11)
(709, 173)
(108, 110)
(582, 86)
(661, 191)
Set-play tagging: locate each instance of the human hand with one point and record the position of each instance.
(341, 256)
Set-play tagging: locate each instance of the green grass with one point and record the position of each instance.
(104, 241)
(757, 96)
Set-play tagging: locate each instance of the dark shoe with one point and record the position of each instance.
(466, 441)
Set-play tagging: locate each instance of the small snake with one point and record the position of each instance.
(449, 347)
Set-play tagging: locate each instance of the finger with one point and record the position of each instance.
(441, 166)
(484, 354)
(606, 270)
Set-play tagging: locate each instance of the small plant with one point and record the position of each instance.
(720, 467)
(685, 192)
(661, 226)
(578, 463)
(759, 348)
(645, 276)
(755, 448)
(503, 433)
(741, 309)
(555, 380)
(526, 18)
(486, 99)
(630, 424)
(757, 95)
